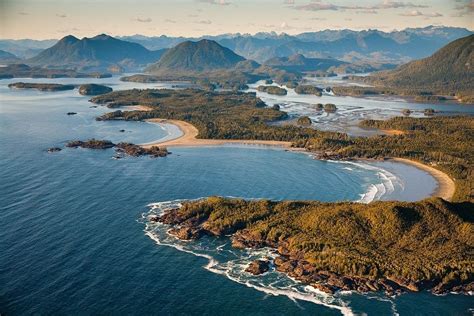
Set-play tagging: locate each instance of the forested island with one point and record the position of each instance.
(272, 90)
(94, 89)
(307, 89)
(42, 86)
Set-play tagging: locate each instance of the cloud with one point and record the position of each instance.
(419, 13)
(170, 21)
(217, 2)
(203, 22)
(143, 20)
(61, 15)
(368, 11)
(317, 5)
(464, 9)
(23, 13)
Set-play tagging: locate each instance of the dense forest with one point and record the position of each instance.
(449, 71)
(217, 115)
(379, 246)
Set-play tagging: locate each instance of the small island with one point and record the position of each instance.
(272, 90)
(128, 149)
(50, 87)
(330, 108)
(94, 89)
(304, 121)
(307, 89)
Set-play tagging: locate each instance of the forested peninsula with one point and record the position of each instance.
(381, 246)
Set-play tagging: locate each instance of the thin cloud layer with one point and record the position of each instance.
(322, 6)
(143, 20)
(419, 13)
(217, 2)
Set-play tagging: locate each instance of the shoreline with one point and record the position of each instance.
(445, 186)
(190, 133)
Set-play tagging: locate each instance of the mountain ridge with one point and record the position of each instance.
(98, 52)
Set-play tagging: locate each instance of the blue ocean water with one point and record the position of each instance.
(73, 238)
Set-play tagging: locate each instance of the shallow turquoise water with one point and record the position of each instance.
(73, 241)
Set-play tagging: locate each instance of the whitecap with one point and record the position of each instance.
(231, 263)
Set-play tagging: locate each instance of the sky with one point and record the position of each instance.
(52, 19)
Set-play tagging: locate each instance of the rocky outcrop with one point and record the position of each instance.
(91, 144)
(53, 149)
(94, 89)
(190, 226)
(258, 267)
(121, 148)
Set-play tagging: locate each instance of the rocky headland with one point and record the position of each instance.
(344, 246)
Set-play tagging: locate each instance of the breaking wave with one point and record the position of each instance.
(388, 184)
(224, 260)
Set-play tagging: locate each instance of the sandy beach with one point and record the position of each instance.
(189, 138)
(446, 186)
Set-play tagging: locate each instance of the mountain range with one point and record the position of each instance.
(449, 71)
(97, 53)
(6, 57)
(347, 45)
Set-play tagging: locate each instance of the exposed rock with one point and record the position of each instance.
(186, 233)
(258, 267)
(54, 149)
(91, 144)
(71, 113)
(324, 288)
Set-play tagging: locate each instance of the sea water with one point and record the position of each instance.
(75, 238)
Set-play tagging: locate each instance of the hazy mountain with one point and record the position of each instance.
(300, 63)
(99, 52)
(25, 48)
(204, 55)
(349, 45)
(449, 70)
(7, 58)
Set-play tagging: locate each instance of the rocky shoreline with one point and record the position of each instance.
(121, 149)
(293, 264)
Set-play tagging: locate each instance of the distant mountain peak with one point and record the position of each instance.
(203, 55)
(69, 39)
(96, 53)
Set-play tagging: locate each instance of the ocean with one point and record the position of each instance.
(75, 239)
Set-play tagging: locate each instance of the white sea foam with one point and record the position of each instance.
(231, 263)
(389, 182)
